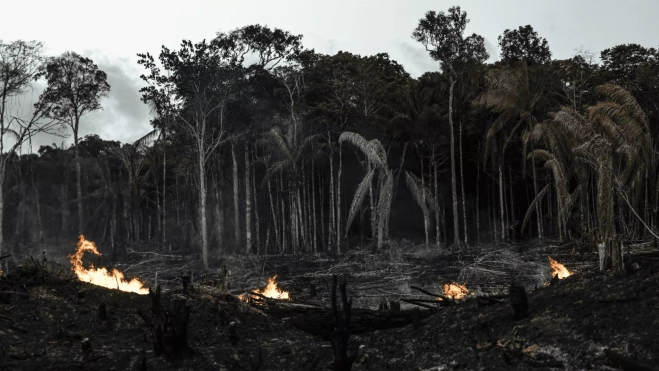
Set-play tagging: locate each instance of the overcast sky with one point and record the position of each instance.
(111, 34)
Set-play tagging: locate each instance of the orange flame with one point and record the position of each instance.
(101, 276)
(270, 291)
(455, 290)
(559, 269)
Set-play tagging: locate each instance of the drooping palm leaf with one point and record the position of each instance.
(358, 199)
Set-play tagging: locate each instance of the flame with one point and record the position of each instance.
(101, 276)
(559, 269)
(455, 290)
(270, 291)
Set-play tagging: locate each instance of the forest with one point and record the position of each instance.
(262, 147)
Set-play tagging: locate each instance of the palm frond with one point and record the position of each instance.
(369, 148)
(358, 199)
(148, 138)
(533, 204)
(279, 143)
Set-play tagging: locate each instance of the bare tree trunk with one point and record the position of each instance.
(321, 202)
(332, 206)
(274, 216)
(158, 209)
(39, 220)
(478, 211)
(178, 207)
(313, 208)
(538, 210)
(511, 213)
(300, 217)
(2, 210)
(164, 193)
(454, 191)
(256, 213)
(605, 208)
(282, 215)
(294, 221)
(218, 218)
(127, 214)
(373, 212)
(248, 204)
(202, 210)
(423, 207)
(338, 203)
(78, 183)
(646, 204)
(462, 184)
(113, 224)
(236, 210)
(436, 203)
(502, 203)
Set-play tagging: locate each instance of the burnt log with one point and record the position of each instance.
(519, 302)
(342, 330)
(169, 326)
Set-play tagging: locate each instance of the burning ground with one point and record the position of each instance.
(571, 324)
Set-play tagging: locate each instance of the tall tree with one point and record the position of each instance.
(75, 86)
(203, 77)
(524, 43)
(21, 63)
(442, 35)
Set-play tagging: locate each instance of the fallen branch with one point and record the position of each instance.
(430, 293)
(417, 303)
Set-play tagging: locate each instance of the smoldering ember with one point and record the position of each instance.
(252, 199)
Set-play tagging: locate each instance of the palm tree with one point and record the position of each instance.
(512, 96)
(377, 159)
(292, 150)
(613, 138)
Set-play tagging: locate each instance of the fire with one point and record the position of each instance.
(101, 276)
(455, 290)
(270, 291)
(559, 269)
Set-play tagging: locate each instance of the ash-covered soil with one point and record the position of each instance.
(48, 315)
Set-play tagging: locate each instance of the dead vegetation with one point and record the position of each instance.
(50, 320)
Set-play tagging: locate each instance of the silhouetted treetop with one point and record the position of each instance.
(524, 43)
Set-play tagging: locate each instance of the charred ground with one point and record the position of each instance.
(574, 323)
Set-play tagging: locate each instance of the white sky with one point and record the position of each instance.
(111, 34)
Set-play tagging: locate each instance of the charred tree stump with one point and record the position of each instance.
(102, 312)
(186, 284)
(342, 361)
(616, 254)
(169, 326)
(519, 302)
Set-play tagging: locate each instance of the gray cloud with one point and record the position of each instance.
(415, 59)
(123, 118)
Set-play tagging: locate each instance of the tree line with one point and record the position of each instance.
(260, 145)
